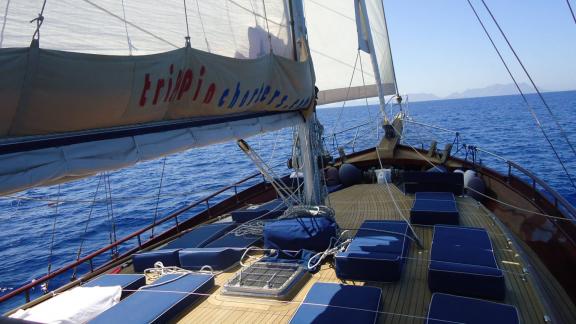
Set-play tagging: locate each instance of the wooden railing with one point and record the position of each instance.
(138, 235)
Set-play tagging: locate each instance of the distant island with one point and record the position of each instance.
(489, 91)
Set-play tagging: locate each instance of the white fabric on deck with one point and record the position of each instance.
(78, 305)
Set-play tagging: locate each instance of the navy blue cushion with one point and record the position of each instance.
(431, 208)
(377, 253)
(354, 304)
(308, 233)
(200, 236)
(455, 309)
(271, 209)
(128, 282)
(159, 302)
(463, 263)
(216, 258)
(234, 241)
(145, 260)
(413, 182)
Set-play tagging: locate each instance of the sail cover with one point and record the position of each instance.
(110, 83)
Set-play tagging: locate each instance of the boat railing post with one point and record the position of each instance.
(533, 189)
(177, 224)
(509, 172)
(91, 265)
(139, 241)
(236, 193)
(27, 295)
(208, 207)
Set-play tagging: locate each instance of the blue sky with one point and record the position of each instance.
(439, 47)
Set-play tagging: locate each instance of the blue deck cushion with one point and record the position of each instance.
(463, 263)
(160, 302)
(377, 253)
(145, 260)
(308, 233)
(234, 241)
(431, 208)
(271, 209)
(455, 309)
(345, 304)
(201, 236)
(412, 182)
(216, 258)
(128, 282)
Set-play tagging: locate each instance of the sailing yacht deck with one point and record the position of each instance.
(405, 301)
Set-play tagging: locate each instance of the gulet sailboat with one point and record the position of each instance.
(390, 234)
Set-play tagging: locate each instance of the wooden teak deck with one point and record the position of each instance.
(405, 301)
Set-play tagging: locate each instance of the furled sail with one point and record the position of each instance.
(336, 31)
(69, 114)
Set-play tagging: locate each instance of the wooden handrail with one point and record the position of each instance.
(92, 255)
(567, 205)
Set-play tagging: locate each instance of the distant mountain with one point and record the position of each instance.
(493, 90)
(423, 97)
(489, 91)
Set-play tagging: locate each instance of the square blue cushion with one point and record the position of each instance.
(145, 260)
(455, 309)
(200, 236)
(377, 253)
(431, 208)
(463, 263)
(160, 302)
(354, 304)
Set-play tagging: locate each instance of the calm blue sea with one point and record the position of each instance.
(502, 125)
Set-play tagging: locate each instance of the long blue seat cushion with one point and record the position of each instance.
(128, 282)
(377, 253)
(308, 233)
(463, 263)
(201, 236)
(456, 309)
(145, 260)
(412, 182)
(431, 208)
(345, 304)
(271, 209)
(216, 258)
(234, 241)
(160, 302)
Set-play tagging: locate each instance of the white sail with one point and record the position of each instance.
(334, 42)
(233, 28)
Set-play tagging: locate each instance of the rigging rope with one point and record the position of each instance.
(4, 22)
(158, 197)
(128, 40)
(571, 11)
(267, 26)
(529, 77)
(187, 26)
(83, 237)
(532, 112)
(347, 94)
(45, 285)
(202, 25)
(111, 213)
(39, 21)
